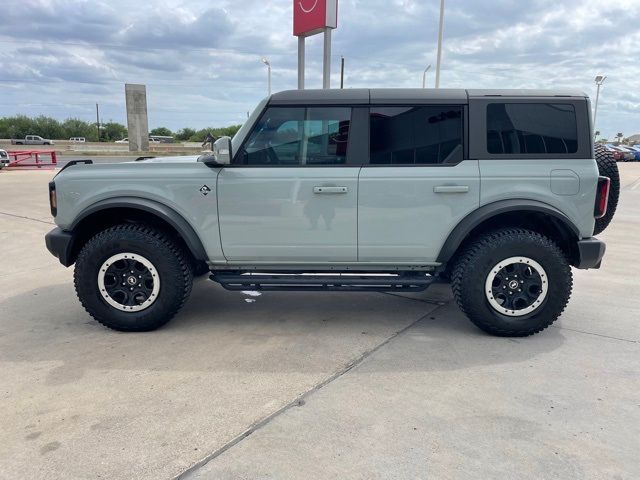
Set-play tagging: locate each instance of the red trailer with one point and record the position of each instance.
(33, 159)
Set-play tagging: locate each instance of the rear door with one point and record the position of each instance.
(418, 184)
(536, 148)
(290, 195)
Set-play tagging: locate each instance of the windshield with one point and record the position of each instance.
(239, 137)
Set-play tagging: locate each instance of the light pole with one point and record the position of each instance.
(268, 64)
(440, 44)
(424, 76)
(599, 81)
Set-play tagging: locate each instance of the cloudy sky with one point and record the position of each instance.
(201, 62)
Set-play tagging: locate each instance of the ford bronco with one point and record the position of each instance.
(499, 192)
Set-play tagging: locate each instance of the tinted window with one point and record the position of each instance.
(533, 128)
(416, 135)
(299, 136)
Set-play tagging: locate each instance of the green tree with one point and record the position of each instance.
(74, 127)
(185, 134)
(18, 126)
(200, 135)
(163, 131)
(619, 136)
(112, 131)
(15, 127)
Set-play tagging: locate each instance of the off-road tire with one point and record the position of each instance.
(171, 263)
(478, 258)
(607, 167)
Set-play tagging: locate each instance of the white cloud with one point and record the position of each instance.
(201, 60)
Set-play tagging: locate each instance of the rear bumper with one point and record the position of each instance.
(59, 243)
(590, 253)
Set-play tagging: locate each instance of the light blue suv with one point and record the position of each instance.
(352, 190)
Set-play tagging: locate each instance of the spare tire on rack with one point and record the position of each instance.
(607, 167)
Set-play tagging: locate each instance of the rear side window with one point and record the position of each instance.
(299, 136)
(424, 135)
(531, 128)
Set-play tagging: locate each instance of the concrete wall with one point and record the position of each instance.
(137, 121)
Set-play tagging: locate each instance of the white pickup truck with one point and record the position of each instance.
(32, 140)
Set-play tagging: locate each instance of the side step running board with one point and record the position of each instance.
(307, 282)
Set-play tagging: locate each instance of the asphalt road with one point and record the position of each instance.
(313, 385)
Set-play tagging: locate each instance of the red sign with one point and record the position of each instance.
(313, 16)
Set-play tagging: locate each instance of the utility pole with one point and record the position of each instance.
(341, 72)
(98, 121)
(440, 44)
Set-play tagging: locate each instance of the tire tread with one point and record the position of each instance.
(116, 233)
(607, 167)
(487, 241)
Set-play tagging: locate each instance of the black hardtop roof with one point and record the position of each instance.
(365, 96)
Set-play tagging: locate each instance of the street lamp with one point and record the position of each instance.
(440, 43)
(424, 76)
(599, 81)
(268, 64)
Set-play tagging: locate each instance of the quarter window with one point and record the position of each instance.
(299, 136)
(416, 135)
(531, 128)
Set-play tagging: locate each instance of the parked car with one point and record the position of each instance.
(124, 140)
(4, 159)
(32, 140)
(352, 190)
(620, 154)
(628, 152)
(78, 139)
(636, 151)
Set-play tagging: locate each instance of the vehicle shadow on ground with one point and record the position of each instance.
(275, 332)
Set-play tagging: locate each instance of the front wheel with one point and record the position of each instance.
(132, 278)
(512, 282)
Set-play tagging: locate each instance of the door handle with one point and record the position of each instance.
(451, 189)
(330, 190)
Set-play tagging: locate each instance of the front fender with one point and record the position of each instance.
(158, 209)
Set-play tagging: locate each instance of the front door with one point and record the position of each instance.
(417, 186)
(290, 195)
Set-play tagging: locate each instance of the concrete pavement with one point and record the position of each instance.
(302, 385)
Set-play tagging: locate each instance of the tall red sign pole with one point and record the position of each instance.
(309, 18)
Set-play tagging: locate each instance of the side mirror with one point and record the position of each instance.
(221, 153)
(222, 150)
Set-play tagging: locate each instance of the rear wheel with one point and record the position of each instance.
(512, 282)
(132, 278)
(607, 167)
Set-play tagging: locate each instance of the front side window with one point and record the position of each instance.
(531, 128)
(423, 135)
(298, 136)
